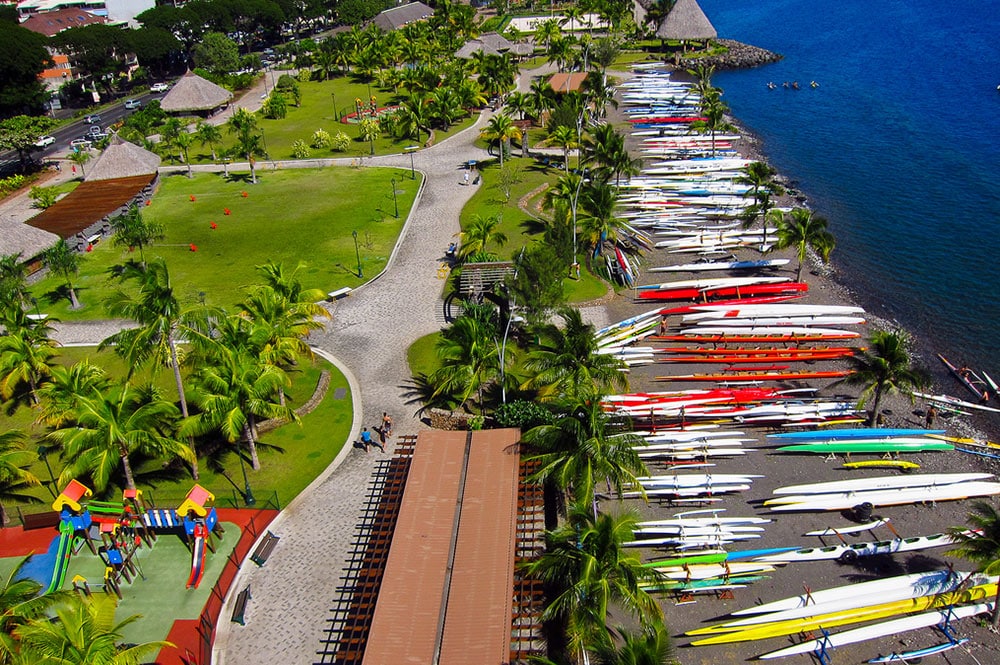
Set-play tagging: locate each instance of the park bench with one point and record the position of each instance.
(240, 607)
(39, 520)
(339, 293)
(264, 549)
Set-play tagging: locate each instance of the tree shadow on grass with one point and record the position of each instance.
(61, 294)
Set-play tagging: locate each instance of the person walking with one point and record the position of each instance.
(366, 439)
(931, 417)
(386, 424)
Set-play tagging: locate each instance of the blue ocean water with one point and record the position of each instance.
(898, 147)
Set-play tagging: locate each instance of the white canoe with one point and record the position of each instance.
(845, 530)
(831, 552)
(709, 311)
(883, 629)
(897, 497)
(882, 482)
(781, 321)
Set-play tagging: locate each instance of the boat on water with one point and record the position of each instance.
(968, 378)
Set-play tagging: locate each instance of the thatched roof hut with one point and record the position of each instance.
(122, 159)
(194, 94)
(16, 237)
(687, 22)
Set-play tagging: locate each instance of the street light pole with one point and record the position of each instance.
(336, 112)
(43, 452)
(248, 497)
(412, 149)
(395, 201)
(357, 253)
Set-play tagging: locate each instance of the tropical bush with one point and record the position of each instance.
(275, 106)
(9, 184)
(340, 142)
(301, 150)
(322, 139)
(44, 197)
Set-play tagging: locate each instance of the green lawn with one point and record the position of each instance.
(291, 456)
(316, 111)
(293, 215)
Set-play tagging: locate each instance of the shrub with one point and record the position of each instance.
(300, 150)
(44, 197)
(9, 184)
(321, 139)
(275, 107)
(340, 142)
(305, 74)
(523, 414)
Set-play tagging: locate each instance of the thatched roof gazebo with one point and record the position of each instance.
(687, 22)
(16, 237)
(122, 159)
(193, 94)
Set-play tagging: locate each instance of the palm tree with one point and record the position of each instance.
(714, 110)
(501, 128)
(210, 135)
(131, 230)
(111, 427)
(564, 137)
(237, 388)
(61, 392)
(60, 258)
(25, 357)
(584, 446)
(243, 125)
(599, 224)
(414, 116)
(546, 31)
(652, 646)
(469, 355)
(14, 474)
(184, 141)
(980, 544)
(79, 158)
(885, 367)
(566, 363)
(589, 572)
(20, 602)
(760, 177)
(542, 96)
(803, 230)
(479, 234)
(565, 191)
(83, 632)
(13, 282)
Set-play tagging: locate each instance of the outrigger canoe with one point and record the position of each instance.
(761, 376)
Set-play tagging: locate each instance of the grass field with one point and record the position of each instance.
(307, 215)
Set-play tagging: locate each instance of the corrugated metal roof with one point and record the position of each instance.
(89, 203)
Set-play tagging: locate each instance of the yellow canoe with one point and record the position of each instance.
(842, 618)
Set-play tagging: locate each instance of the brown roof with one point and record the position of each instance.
(193, 93)
(396, 17)
(89, 203)
(447, 586)
(570, 82)
(686, 21)
(122, 159)
(54, 22)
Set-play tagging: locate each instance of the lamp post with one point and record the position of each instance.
(576, 198)
(395, 201)
(248, 497)
(43, 452)
(412, 149)
(336, 112)
(357, 253)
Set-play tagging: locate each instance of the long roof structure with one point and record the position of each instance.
(89, 203)
(445, 595)
(686, 21)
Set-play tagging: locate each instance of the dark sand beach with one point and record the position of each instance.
(787, 529)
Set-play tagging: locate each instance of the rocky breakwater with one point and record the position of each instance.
(738, 56)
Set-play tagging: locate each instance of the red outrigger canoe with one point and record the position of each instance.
(763, 376)
(705, 295)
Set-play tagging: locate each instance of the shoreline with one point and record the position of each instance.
(827, 286)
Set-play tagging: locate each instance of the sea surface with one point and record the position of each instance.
(898, 147)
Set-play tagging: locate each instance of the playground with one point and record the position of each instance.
(172, 565)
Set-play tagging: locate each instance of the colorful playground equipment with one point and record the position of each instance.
(115, 531)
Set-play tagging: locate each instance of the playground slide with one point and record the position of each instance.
(63, 552)
(197, 556)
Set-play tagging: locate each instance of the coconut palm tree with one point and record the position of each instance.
(803, 230)
(414, 115)
(184, 141)
(60, 394)
(13, 282)
(546, 31)
(652, 646)
(132, 230)
(25, 358)
(83, 632)
(564, 137)
(478, 234)
(62, 259)
(14, 474)
(249, 143)
(760, 176)
(584, 446)
(236, 389)
(589, 572)
(210, 135)
(469, 354)
(20, 602)
(885, 367)
(566, 365)
(599, 224)
(109, 428)
(501, 128)
(79, 158)
(980, 544)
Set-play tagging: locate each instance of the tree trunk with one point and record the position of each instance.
(798, 272)
(74, 303)
(253, 172)
(251, 444)
(175, 364)
(876, 402)
(127, 468)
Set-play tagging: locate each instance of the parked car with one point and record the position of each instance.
(159, 87)
(45, 141)
(95, 130)
(80, 144)
(133, 104)
(92, 119)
